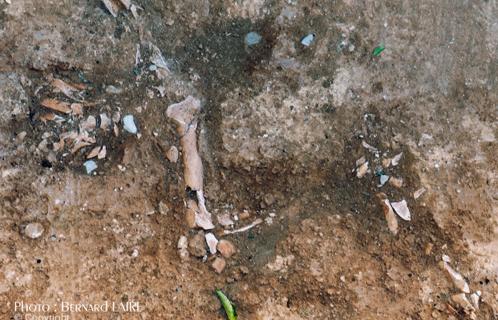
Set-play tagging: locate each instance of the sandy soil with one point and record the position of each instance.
(282, 128)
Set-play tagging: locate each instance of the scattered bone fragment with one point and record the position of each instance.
(245, 228)
(105, 121)
(401, 208)
(369, 147)
(56, 105)
(362, 170)
(67, 89)
(396, 158)
(102, 153)
(226, 248)
(225, 220)
(219, 264)
(190, 213)
(112, 7)
(184, 114)
(94, 152)
(126, 3)
(77, 109)
(474, 299)
(461, 300)
(456, 277)
(417, 194)
(212, 242)
(172, 154)
(392, 221)
(203, 219)
(386, 162)
(89, 124)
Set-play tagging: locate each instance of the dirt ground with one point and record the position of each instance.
(281, 130)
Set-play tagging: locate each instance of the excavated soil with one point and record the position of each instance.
(281, 130)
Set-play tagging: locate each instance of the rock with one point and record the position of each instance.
(383, 179)
(219, 264)
(129, 124)
(252, 38)
(226, 248)
(308, 39)
(244, 270)
(401, 208)
(244, 215)
(113, 90)
(212, 242)
(172, 154)
(392, 221)
(90, 166)
(163, 208)
(197, 245)
(362, 170)
(396, 182)
(33, 230)
(183, 248)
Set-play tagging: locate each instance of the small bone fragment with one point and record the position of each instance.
(212, 242)
(419, 193)
(396, 158)
(401, 208)
(461, 300)
(56, 105)
(474, 299)
(457, 278)
(362, 170)
(245, 228)
(95, 151)
(392, 221)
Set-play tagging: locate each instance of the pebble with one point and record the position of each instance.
(90, 166)
(172, 154)
(383, 179)
(226, 248)
(163, 208)
(197, 245)
(252, 38)
(219, 264)
(308, 39)
(396, 182)
(34, 230)
(129, 124)
(245, 215)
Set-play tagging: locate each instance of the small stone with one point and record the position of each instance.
(396, 158)
(362, 170)
(252, 38)
(163, 208)
(226, 248)
(197, 245)
(396, 182)
(33, 230)
(225, 220)
(383, 179)
(244, 270)
(172, 154)
(182, 243)
(129, 124)
(190, 218)
(308, 39)
(90, 166)
(105, 121)
(244, 215)
(219, 264)
(113, 90)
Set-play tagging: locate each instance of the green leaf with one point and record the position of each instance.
(227, 305)
(376, 52)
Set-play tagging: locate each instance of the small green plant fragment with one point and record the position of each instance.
(376, 52)
(227, 305)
